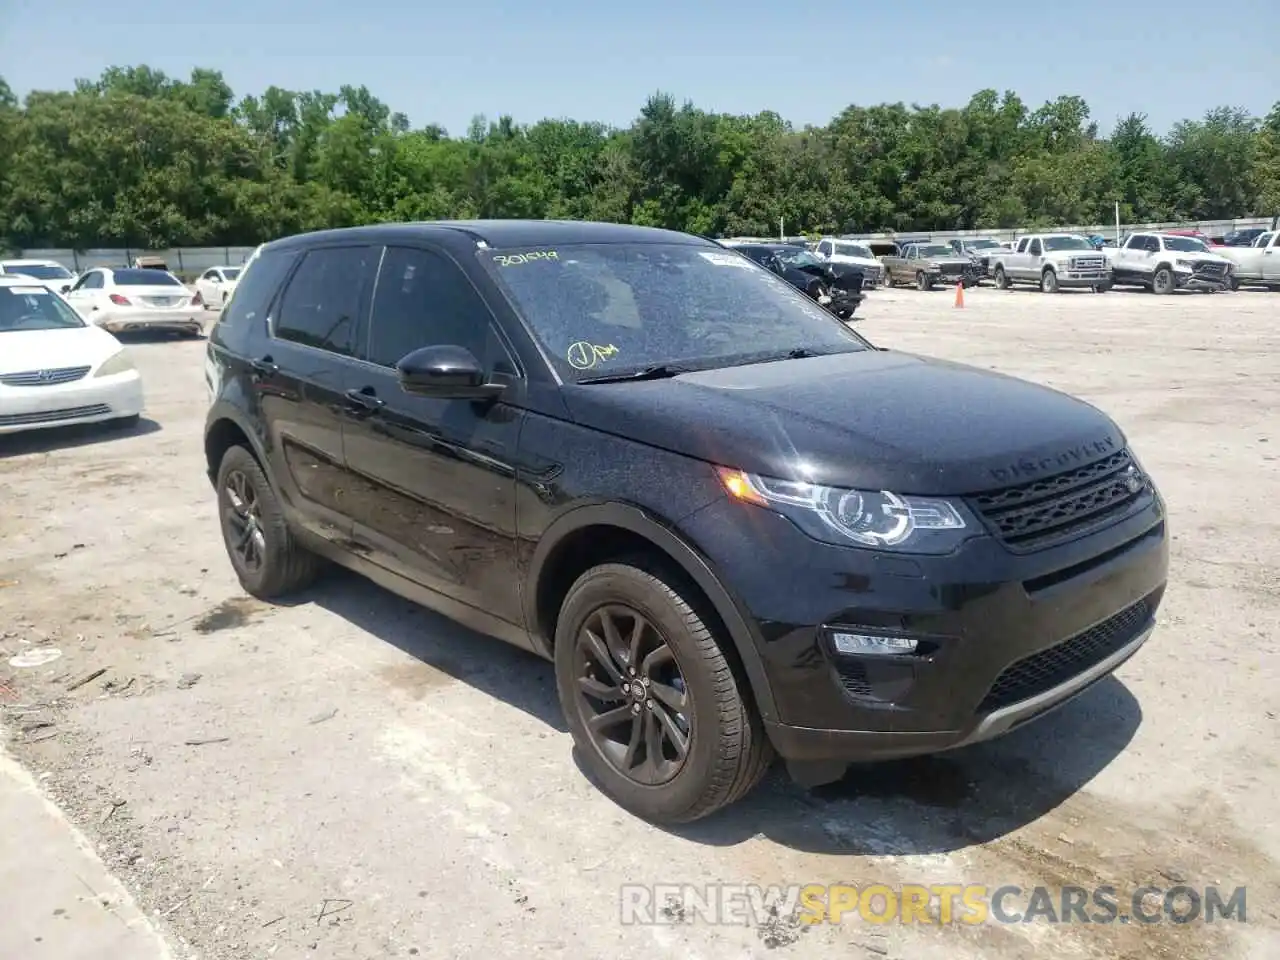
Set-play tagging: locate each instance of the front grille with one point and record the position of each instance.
(53, 416)
(952, 269)
(1035, 514)
(1033, 675)
(1215, 271)
(43, 378)
(1086, 263)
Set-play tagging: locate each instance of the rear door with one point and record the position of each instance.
(83, 296)
(434, 480)
(1271, 260)
(302, 370)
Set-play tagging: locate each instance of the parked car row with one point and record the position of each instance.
(60, 363)
(1161, 261)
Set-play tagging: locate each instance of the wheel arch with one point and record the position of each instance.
(225, 429)
(597, 533)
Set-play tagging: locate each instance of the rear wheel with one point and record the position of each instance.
(267, 559)
(662, 722)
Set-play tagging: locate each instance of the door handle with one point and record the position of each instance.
(364, 398)
(265, 367)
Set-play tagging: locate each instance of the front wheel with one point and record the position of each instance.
(1163, 283)
(922, 281)
(662, 722)
(1049, 282)
(1002, 279)
(1101, 287)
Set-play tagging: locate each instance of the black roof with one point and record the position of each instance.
(496, 233)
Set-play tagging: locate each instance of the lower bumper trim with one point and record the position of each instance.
(810, 745)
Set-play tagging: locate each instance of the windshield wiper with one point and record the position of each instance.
(659, 371)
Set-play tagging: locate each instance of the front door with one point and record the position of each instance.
(301, 372)
(434, 480)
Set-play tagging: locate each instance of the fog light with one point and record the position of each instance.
(865, 643)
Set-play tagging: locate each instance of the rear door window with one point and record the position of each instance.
(321, 306)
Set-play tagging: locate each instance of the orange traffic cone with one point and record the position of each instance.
(960, 293)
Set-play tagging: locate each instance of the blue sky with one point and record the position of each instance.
(444, 63)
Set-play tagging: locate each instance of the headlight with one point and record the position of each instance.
(118, 362)
(1184, 264)
(864, 517)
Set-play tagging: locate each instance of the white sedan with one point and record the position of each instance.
(55, 369)
(132, 299)
(50, 273)
(215, 286)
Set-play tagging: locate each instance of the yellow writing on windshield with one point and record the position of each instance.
(583, 355)
(514, 259)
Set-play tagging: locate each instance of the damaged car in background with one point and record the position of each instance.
(836, 286)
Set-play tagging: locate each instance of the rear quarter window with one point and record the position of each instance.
(259, 283)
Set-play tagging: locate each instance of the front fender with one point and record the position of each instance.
(690, 560)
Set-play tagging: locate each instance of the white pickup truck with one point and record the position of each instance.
(1257, 263)
(1052, 261)
(1164, 262)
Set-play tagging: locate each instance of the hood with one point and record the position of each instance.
(844, 259)
(955, 258)
(874, 419)
(22, 350)
(1213, 257)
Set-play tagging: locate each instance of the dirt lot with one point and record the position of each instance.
(352, 777)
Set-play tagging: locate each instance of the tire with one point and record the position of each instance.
(727, 752)
(1162, 283)
(1049, 282)
(922, 281)
(285, 565)
(1002, 279)
(886, 279)
(1233, 284)
(1101, 288)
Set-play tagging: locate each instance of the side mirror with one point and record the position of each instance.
(445, 372)
(66, 288)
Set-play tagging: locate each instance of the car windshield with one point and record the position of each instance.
(981, 244)
(1067, 243)
(934, 250)
(853, 250)
(145, 277)
(34, 308)
(231, 272)
(1185, 245)
(798, 257)
(40, 271)
(603, 309)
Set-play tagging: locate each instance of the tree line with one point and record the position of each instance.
(137, 158)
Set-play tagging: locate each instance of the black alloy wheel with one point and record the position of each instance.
(242, 521)
(632, 697)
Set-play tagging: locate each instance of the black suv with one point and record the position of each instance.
(735, 526)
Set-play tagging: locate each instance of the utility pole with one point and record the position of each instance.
(782, 235)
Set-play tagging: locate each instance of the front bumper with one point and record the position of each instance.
(1003, 637)
(188, 320)
(1188, 280)
(1083, 278)
(90, 400)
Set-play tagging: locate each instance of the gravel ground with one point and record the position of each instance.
(353, 777)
